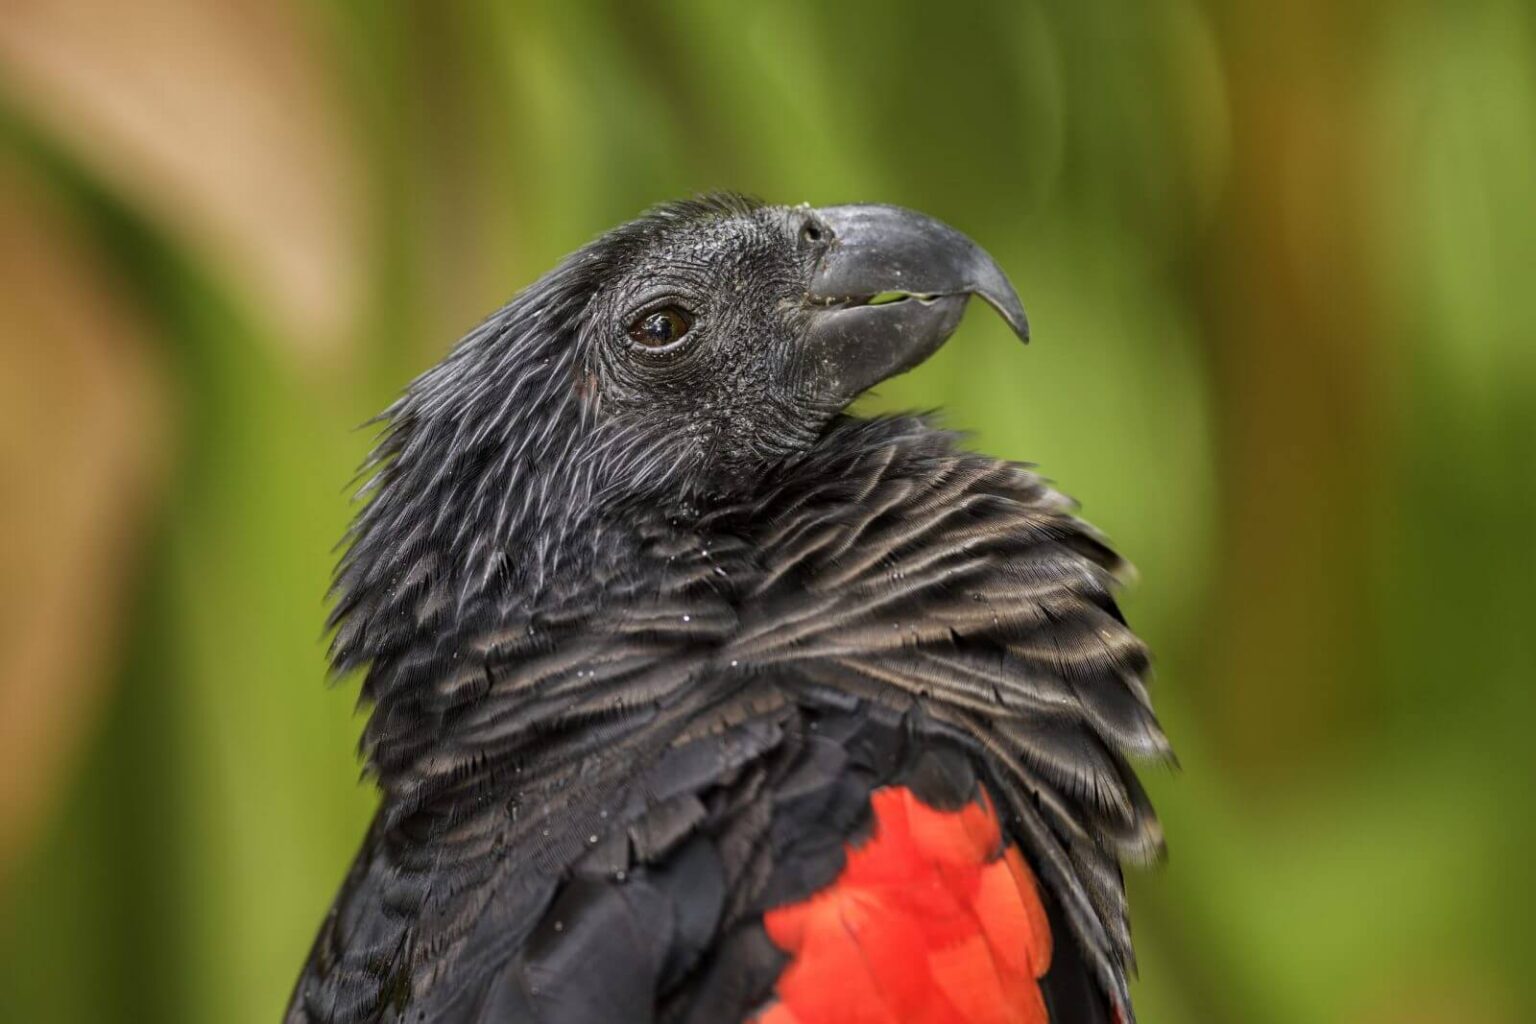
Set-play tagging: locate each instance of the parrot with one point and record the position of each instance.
(693, 696)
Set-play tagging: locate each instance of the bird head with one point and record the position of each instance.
(673, 363)
(728, 335)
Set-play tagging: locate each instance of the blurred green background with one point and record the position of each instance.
(1279, 260)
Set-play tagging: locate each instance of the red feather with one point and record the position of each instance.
(932, 921)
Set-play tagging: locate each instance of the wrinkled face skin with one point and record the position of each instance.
(741, 334)
(702, 335)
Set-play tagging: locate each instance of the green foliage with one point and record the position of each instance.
(1347, 844)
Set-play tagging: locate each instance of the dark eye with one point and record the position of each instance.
(661, 327)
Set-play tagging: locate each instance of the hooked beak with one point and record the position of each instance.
(876, 251)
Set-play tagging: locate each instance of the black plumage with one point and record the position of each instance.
(644, 629)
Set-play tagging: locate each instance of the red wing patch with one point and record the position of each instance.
(932, 921)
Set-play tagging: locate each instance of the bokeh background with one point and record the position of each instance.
(1281, 263)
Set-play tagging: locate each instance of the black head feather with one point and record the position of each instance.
(500, 468)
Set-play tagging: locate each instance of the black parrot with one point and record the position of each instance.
(695, 699)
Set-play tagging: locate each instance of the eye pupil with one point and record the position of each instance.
(661, 327)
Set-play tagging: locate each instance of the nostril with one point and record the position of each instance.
(812, 232)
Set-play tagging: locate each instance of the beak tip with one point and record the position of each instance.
(1011, 310)
(1020, 325)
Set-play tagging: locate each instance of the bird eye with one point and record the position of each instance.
(661, 327)
(811, 232)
